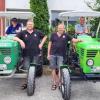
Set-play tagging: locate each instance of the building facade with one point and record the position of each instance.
(2, 21)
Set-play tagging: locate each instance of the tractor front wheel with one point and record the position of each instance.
(65, 84)
(31, 81)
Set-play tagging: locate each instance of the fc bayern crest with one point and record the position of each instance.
(26, 35)
(63, 36)
(35, 35)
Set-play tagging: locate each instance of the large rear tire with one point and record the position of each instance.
(39, 70)
(39, 67)
(31, 81)
(66, 84)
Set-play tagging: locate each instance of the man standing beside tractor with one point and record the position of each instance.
(29, 40)
(56, 52)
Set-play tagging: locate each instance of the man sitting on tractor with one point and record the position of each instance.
(29, 40)
(14, 28)
(81, 28)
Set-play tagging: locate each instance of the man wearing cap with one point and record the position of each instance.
(14, 28)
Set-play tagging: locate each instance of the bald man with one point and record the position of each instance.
(56, 52)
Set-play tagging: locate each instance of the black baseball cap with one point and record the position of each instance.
(14, 19)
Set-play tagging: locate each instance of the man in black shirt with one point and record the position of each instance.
(57, 50)
(31, 40)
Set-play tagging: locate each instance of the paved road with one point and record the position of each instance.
(81, 90)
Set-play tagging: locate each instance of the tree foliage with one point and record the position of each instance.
(96, 7)
(40, 8)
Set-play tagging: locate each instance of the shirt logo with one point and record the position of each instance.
(63, 36)
(35, 35)
(26, 35)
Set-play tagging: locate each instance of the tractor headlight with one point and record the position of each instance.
(90, 62)
(7, 59)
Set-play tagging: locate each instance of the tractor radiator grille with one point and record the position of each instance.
(82, 52)
(5, 51)
(91, 53)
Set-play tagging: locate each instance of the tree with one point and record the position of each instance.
(39, 7)
(97, 5)
(94, 6)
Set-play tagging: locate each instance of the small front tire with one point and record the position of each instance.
(31, 81)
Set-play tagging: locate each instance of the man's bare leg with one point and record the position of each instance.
(54, 79)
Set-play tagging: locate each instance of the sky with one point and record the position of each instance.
(53, 4)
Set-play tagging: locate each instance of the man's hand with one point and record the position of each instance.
(20, 41)
(17, 31)
(42, 42)
(22, 44)
(48, 57)
(40, 46)
(79, 40)
(76, 40)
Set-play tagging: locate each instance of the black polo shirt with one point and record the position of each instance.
(59, 44)
(31, 41)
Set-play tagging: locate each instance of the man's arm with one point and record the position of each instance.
(20, 41)
(76, 40)
(49, 49)
(7, 31)
(86, 29)
(77, 29)
(79, 32)
(42, 42)
(19, 29)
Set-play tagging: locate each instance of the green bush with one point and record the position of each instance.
(95, 21)
(71, 29)
(94, 24)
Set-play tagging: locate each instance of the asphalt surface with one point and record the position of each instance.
(81, 90)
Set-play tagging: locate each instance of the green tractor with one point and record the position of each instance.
(11, 61)
(89, 54)
(82, 58)
(9, 56)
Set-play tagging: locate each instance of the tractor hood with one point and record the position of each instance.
(7, 43)
(9, 37)
(88, 42)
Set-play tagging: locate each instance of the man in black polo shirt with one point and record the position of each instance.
(29, 40)
(57, 50)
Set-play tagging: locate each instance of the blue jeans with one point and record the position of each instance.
(56, 61)
(28, 60)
